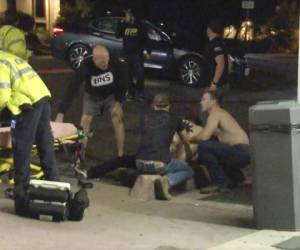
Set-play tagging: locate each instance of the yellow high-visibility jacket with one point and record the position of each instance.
(20, 85)
(12, 40)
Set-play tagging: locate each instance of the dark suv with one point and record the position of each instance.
(75, 46)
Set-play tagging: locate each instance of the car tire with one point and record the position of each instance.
(190, 72)
(77, 53)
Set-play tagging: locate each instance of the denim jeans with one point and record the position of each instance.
(33, 126)
(176, 170)
(220, 158)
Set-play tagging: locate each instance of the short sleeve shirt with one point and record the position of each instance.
(216, 47)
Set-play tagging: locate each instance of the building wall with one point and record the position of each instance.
(52, 11)
(3, 5)
(54, 6)
(24, 6)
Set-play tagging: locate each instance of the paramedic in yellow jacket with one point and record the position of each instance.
(12, 36)
(24, 93)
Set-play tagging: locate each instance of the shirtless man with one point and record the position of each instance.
(229, 153)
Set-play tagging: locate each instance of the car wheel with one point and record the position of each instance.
(190, 71)
(77, 53)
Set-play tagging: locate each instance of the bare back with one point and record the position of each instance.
(228, 130)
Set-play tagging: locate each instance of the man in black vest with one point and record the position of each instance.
(217, 56)
(134, 35)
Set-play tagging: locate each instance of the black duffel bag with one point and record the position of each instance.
(80, 202)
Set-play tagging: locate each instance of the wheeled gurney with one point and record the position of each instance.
(63, 133)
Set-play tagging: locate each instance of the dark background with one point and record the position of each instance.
(186, 18)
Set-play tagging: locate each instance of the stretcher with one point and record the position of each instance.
(63, 133)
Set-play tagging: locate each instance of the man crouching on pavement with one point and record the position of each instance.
(153, 156)
(229, 153)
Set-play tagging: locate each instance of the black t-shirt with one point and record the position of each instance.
(216, 47)
(158, 129)
(134, 37)
(99, 83)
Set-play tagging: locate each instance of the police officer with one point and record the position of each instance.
(12, 36)
(27, 98)
(217, 56)
(134, 35)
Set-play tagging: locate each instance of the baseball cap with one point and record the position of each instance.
(161, 99)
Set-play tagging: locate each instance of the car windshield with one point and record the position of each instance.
(106, 25)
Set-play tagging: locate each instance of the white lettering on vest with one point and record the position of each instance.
(102, 80)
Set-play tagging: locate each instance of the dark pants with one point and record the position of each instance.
(33, 126)
(220, 158)
(126, 161)
(136, 70)
(177, 171)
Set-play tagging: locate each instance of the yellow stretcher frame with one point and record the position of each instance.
(6, 163)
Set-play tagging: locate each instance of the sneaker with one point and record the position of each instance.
(80, 173)
(162, 186)
(210, 189)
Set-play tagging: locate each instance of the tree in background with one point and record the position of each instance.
(284, 27)
(72, 13)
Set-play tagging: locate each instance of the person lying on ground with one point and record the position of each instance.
(229, 153)
(153, 155)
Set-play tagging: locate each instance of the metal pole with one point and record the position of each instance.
(298, 94)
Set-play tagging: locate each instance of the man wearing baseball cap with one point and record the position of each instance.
(153, 155)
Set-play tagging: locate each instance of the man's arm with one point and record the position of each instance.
(5, 86)
(220, 65)
(120, 29)
(70, 93)
(145, 41)
(218, 52)
(208, 131)
(17, 46)
(186, 143)
(120, 72)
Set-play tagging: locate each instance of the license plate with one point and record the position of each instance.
(247, 72)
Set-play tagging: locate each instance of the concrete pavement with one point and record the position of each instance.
(114, 221)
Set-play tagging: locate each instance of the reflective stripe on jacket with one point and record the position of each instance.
(20, 85)
(12, 40)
